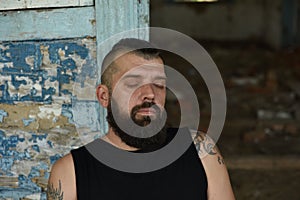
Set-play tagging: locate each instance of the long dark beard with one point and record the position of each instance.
(144, 143)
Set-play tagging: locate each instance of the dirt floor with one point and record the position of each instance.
(263, 115)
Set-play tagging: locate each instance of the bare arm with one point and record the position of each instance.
(61, 183)
(219, 186)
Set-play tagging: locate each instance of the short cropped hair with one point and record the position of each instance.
(138, 47)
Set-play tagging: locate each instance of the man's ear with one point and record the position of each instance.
(102, 93)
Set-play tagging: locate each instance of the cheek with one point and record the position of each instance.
(128, 102)
(161, 97)
(133, 101)
(121, 99)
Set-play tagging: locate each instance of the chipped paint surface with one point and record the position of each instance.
(27, 157)
(24, 4)
(42, 71)
(39, 82)
(2, 115)
(17, 160)
(60, 23)
(47, 87)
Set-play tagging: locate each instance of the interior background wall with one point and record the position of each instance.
(264, 21)
(255, 44)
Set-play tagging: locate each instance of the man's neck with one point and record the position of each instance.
(112, 138)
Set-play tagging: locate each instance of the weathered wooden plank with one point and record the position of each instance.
(37, 78)
(25, 4)
(117, 16)
(49, 24)
(263, 162)
(113, 17)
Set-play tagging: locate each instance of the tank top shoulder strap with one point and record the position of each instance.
(82, 161)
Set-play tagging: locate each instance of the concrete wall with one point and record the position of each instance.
(254, 20)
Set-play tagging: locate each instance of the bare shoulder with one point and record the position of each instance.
(62, 183)
(219, 186)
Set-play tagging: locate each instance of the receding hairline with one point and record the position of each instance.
(115, 67)
(109, 60)
(134, 46)
(110, 67)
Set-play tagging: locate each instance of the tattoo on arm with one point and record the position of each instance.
(206, 146)
(220, 160)
(55, 193)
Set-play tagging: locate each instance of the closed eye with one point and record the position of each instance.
(131, 85)
(158, 85)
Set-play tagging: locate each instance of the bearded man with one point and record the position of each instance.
(133, 89)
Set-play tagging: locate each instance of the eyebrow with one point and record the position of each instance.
(139, 76)
(131, 76)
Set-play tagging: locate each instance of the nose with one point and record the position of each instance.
(147, 92)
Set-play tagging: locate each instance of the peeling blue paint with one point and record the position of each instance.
(35, 147)
(54, 158)
(16, 54)
(88, 70)
(8, 142)
(47, 175)
(6, 163)
(2, 135)
(22, 155)
(6, 98)
(26, 122)
(14, 193)
(50, 143)
(16, 83)
(43, 196)
(69, 48)
(2, 115)
(35, 137)
(26, 182)
(54, 119)
(67, 112)
(35, 170)
(8, 154)
(25, 77)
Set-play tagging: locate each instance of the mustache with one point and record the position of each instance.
(153, 105)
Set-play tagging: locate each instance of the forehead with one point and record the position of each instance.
(131, 64)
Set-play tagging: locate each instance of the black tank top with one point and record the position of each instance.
(185, 178)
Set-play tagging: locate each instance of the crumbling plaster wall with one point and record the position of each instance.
(48, 76)
(38, 82)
